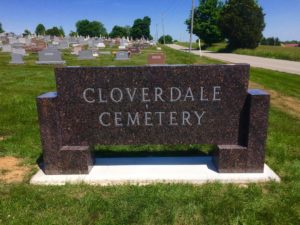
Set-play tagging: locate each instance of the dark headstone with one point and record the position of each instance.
(156, 58)
(192, 104)
(134, 50)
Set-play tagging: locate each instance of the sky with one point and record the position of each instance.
(282, 16)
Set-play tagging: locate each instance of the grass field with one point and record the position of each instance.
(275, 52)
(21, 203)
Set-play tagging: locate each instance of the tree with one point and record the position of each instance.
(61, 31)
(40, 29)
(54, 31)
(242, 23)
(168, 39)
(270, 41)
(141, 28)
(1, 29)
(118, 31)
(26, 33)
(92, 29)
(73, 33)
(206, 21)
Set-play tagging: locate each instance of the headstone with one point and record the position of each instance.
(16, 59)
(50, 56)
(122, 55)
(63, 45)
(18, 45)
(36, 45)
(86, 54)
(156, 58)
(100, 45)
(122, 47)
(76, 50)
(105, 53)
(188, 104)
(19, 51)
(6, 48)
(134, 50)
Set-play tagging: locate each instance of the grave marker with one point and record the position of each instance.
(50, 56)
(122, 55)
(156, 58)
(86, 54)
(16, 59)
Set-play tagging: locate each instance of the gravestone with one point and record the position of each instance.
(36, 45)
(193, 104)
(16, 59)
(156, 58)
(50, 56)
(105, 53)
(6, 48)
(122, 47)
(19, 51)
(100, 45)
(63, 45)
(134, 50)
(18, 45)
(86, 54)
(122, 55)
(76, 49)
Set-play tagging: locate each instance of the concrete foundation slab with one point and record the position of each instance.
(147, 170)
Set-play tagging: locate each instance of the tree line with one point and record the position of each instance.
(139, 29)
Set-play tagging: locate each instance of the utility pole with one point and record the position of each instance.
(192, 26)
(156, 34)
(163, 27)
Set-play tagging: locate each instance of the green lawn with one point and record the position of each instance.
(275, 52)
(270, 203)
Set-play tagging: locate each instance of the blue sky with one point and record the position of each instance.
(282, 17)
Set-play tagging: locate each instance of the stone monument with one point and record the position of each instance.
(170, 104)
(122, 55)
(16, 59)
(156, 58)
(50, 56)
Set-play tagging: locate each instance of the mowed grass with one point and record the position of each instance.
(275, 52)
(270, 203)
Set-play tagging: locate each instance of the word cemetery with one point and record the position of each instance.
(164, 104)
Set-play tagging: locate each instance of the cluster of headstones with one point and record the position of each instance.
(48, 48)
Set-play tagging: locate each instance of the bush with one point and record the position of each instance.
(168, 39)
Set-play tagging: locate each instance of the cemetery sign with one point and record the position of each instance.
(192, 104)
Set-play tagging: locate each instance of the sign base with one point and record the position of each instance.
(149, 170)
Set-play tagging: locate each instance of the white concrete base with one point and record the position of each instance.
(146, 170)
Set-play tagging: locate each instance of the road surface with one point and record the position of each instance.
(260, 62)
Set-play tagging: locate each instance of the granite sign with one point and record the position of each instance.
(193, 104)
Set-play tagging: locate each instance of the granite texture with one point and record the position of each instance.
(237, 123)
